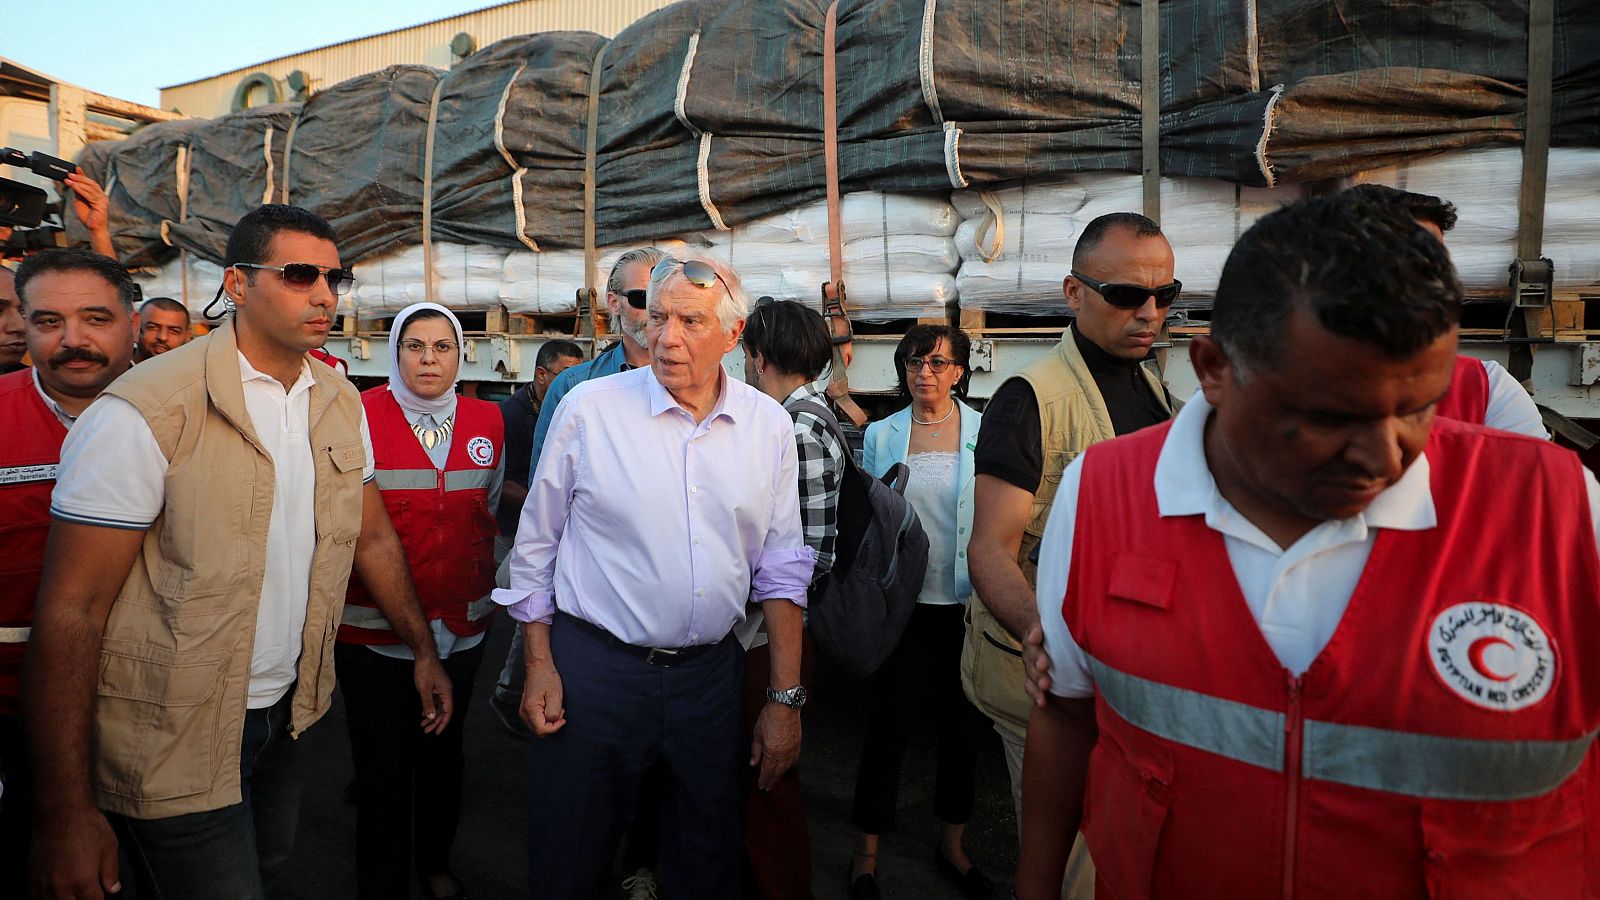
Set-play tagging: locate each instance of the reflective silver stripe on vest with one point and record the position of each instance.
(1399, 762)
(470, 479)
(1445, 768)
(15, 635)
(480, 607)
(407, 479)
(1238, 731)
(364, 617)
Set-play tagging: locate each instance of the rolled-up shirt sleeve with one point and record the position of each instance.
(531, 596)
(784, 564)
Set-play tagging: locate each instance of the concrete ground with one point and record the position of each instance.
(490, 854)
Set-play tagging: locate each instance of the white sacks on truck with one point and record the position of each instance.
(898, 250)
(1016, 244)
(466, 277)
(1484, 185)
(899, 257)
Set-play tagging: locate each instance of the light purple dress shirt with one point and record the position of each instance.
(654, 527)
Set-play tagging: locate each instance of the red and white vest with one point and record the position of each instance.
(443, 517)
(1468, 400)
(1441, 745)
(29, 454)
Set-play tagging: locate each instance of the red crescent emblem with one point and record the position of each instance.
(1475, 656)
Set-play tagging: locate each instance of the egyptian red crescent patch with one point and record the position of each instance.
(1492, 655)
(481, 451)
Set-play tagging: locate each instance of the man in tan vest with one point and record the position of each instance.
(1098, 383)
(207, 513)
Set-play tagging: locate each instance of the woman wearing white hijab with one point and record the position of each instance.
(440, 464)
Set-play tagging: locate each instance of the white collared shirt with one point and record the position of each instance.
(1296, 595)
(66, 419)
(113, 474)
(656, 527)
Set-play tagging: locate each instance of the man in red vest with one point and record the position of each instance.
(12, 345)
(1309, 639)
(80, 328)
(1481, 391)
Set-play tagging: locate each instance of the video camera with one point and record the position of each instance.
(23, 205)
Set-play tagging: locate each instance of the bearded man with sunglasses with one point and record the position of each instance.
(221, 493)
(1097, 384)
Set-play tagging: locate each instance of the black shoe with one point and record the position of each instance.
(973, 884)
(864, 887)
(508, 713)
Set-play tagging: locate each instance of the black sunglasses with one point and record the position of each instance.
(636, 297)
(696, 272)
(301, 276)
(1132, 296)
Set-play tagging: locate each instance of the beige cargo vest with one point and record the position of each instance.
(1072, 415)
(175, 661)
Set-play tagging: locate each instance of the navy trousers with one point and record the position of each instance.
(623, 717)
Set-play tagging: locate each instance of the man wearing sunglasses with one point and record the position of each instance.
(665, 499)
(1094, 386)
(223, 492)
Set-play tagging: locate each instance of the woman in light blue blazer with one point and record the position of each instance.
(934, 436)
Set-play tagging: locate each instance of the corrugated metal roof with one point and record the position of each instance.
(427, 43)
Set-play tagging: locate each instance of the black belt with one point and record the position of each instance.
(665, 657)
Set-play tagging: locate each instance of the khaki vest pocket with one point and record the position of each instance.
(992, 672)
(156, 721)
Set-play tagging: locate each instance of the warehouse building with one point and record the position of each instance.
(441, 43)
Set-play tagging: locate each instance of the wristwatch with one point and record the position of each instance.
(794, 697)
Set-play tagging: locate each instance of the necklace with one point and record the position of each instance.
(431, 437)
(935, 433)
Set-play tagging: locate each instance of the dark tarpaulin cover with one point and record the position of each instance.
(356, 158)
(230, 161)
(543, 128)
(931, 96)
(140, 175)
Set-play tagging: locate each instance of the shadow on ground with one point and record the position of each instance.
(490, 855)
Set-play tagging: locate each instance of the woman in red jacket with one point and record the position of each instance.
(439, 461)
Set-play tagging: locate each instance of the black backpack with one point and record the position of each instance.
(859, 610)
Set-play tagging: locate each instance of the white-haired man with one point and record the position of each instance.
(631, 657)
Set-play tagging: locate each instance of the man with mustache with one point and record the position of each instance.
(223, 492)
(12, 344)
(163, 326)
(79, 329)
(1098, 383)
(1283, 663)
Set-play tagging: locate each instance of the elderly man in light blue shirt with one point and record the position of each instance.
(631, 658)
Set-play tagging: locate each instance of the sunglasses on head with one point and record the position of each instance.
(697, 272)
(302, 276)
(1131, 296)
(636, 297)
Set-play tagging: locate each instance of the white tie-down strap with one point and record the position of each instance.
(930, 91)
(952, 155)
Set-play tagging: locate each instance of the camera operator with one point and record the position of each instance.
(92, 207)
